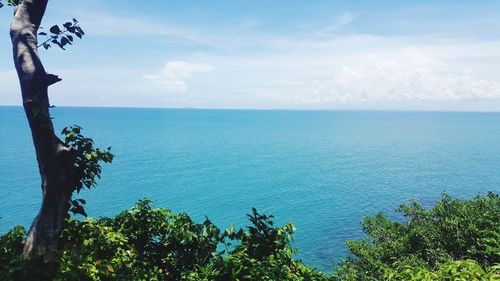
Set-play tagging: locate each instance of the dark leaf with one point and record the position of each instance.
(42, 33)
(58, 44)
(78, 210)
(13, 2)
(55, 29)
(65, 41)
(80, 30)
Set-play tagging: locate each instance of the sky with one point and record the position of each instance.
(270, 54)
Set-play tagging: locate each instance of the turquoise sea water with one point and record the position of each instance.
(321, 170)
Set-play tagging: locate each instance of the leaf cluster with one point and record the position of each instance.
(455, 233)
(461, 270)
(86, 164)
(87, 167)
(11, 3)
(146, 243)
(61, 36)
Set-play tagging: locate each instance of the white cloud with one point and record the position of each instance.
(369, 70)
(406, 74)
(173, 77)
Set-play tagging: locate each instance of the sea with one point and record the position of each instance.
(323, 171)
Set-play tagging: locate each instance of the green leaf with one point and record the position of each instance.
(13, 2)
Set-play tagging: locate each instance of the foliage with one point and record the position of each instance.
(87, 162)
(455, 240)
(264, 253)
(11, 246)
(145, 243)
(86, 165)
(467, 270)
(11, 3)
(61, 36)
(455, 237)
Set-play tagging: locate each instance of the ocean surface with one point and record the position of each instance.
(321, 170)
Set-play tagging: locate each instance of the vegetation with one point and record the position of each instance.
(154, 244)
(455, 240)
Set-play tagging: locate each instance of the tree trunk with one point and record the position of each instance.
(55, 159)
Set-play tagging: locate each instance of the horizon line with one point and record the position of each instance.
(270, 109)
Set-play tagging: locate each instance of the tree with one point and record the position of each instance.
(457, 239)
(64, 166)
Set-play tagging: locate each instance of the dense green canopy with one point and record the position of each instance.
(455, 240)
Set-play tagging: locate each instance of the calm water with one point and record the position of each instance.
(322, 171)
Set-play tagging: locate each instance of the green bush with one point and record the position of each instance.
(455, 240)
(455, 235)
(467, 270)
(154, 244)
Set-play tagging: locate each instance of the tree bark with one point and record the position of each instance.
(55, 159)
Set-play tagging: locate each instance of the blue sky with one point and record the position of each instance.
(308, 54)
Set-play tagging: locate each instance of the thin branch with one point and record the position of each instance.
(52, 38)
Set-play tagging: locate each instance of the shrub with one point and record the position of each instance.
(461, 235)
(455, 240)
(145, 243)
